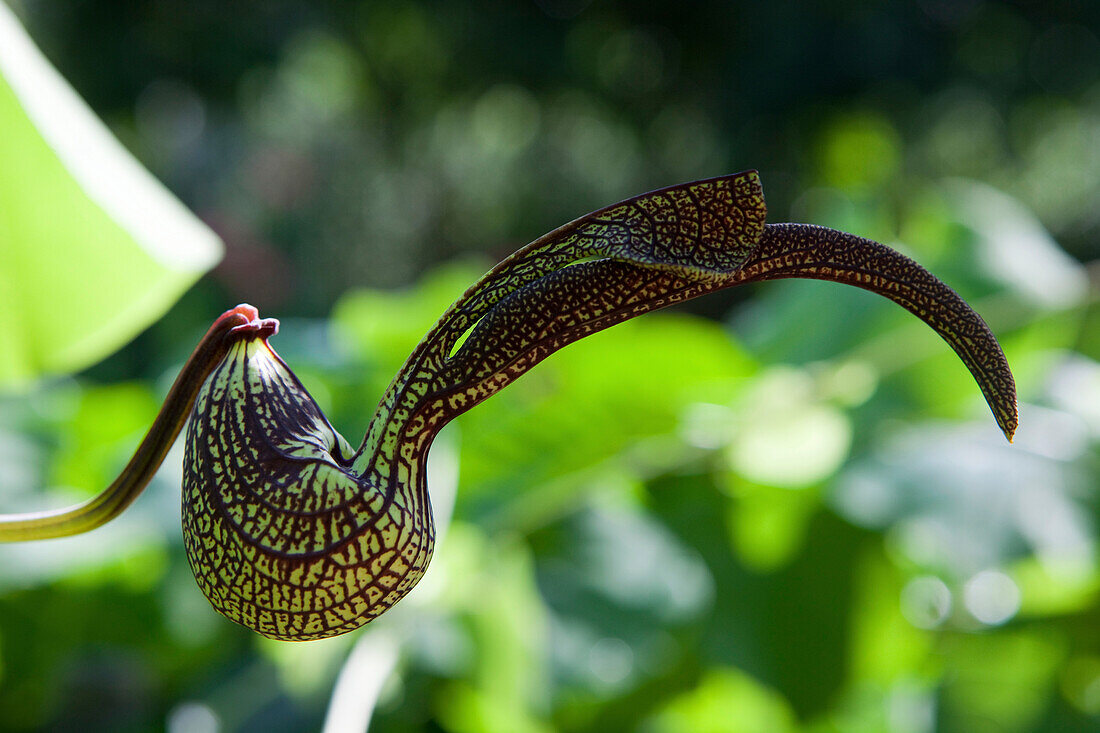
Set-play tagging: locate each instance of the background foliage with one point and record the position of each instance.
(780, 509)
(95, 248)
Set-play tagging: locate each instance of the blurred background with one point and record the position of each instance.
(781, 508)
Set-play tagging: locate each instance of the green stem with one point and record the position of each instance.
(108, 504)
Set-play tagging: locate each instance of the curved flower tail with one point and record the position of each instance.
(807, 251)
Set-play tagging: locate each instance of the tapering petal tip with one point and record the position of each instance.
(1011, 421)
(808, 251)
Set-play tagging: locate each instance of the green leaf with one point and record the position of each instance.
(595, 398)
(94, 248)
(1001, 682)
(727, 701)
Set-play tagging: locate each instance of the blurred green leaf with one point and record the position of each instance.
(94, 248)
(109, 422)
(886, 647)
(1081, 683)
(506, 620)
(1052, 587)
(1000, 682)
(138, 570)
(384, 326)
(787, 436)
(594, 398)
(767, 523)
(726, 701)
(859, 150)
